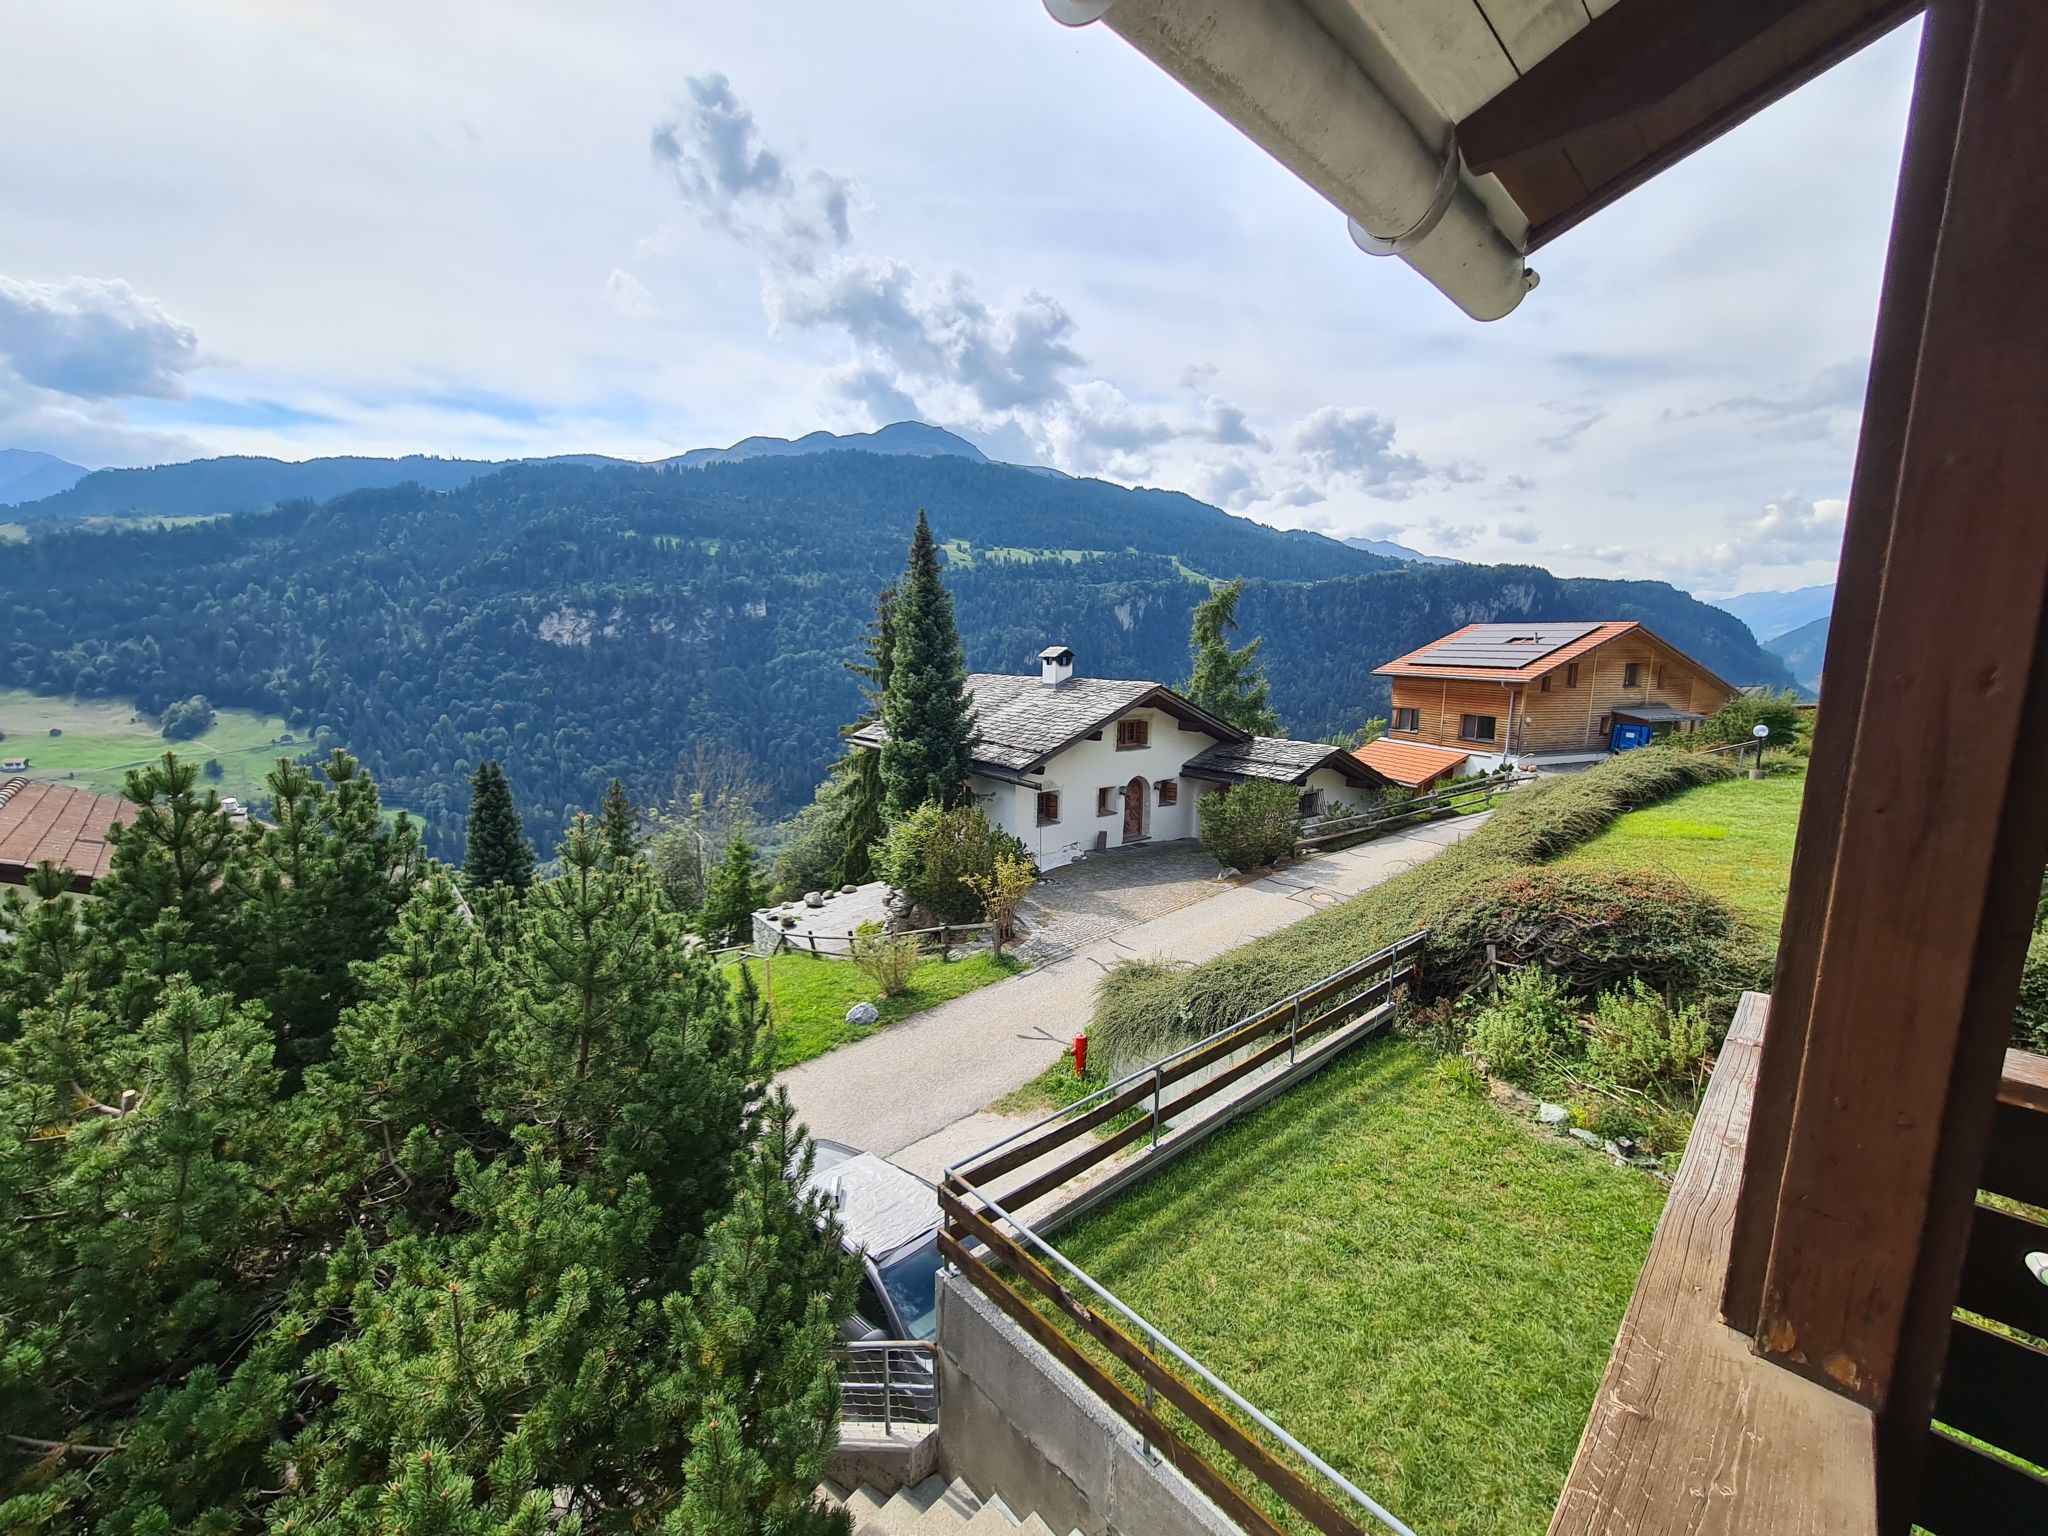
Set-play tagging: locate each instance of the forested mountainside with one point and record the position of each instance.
(583, 623)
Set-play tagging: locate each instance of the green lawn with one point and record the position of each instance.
(1419, 1288)
(1732, 839)
(811, 996)
(103, 740)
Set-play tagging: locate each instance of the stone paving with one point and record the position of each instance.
(1095, 897)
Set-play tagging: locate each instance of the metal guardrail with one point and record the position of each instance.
(888, 1382)
(1328, 1500)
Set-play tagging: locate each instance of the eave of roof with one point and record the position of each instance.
(1410, 763)
(1278, 759)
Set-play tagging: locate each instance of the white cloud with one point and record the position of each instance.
(1518, 532)
(93, 339)
(629, 296)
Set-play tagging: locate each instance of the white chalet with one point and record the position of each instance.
(1069, 765)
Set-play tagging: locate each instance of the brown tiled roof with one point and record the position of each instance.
(1548, 659)
(68, 826)
(1410, 763)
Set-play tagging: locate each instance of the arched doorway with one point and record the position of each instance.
(1135, 809)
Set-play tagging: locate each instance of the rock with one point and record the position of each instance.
(1623, 1146)
(1552, 1114)
(788, 919)
(848, 889)
(814, 898)
(828, 895)
(1579, 1133)
(863, 1013)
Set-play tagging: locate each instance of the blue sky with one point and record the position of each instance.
(507, 228)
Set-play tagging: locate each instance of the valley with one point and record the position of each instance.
(97, 741)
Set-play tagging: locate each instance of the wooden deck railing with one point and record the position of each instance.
(1465, 796)
(1032, 1282)
(1995, 1383)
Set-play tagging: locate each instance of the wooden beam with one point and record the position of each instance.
(1873, 502)
(1944, 826)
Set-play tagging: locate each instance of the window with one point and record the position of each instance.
(1632, 675)
(1048, 806)
(1133, 733)
(1477, 727)
(1312, 803)
(1105, 801)
(1407, 719)
(1571, 674)
(1546, 683)
(1660, 676)
(1169, 791)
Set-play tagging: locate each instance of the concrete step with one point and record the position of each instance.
(865, 1505)
(992, 1519)
(1033, 1526)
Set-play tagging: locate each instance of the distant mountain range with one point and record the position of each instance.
(242, 483)
(1771, 614)
(26, 476)
(1395, 551)
(1803, 650)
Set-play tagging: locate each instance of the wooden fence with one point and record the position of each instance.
(789, 943)
(1467, 795)
(1010, 1263)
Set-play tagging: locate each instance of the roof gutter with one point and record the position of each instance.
(1271, 70)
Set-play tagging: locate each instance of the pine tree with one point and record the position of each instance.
(731, 895)
(497, 852)
(40, 944)
(619, 825)
(859, 810)
(926, 708)
(1228, 683)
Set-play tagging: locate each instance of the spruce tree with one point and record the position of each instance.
(926, 708)
(497, 852)
(1228, 683)
(731, 895)
(619, 825)
(861, 798)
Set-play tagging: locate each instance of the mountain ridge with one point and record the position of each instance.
(26, 475)
(1771, 614)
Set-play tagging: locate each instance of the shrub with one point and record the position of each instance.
(1139, 1007)
(932, 851)
(1002, 891)
(2030, 1017)
(213, 769)
(1249, 825)
(1439, 1026)
(1638, 1041)
(886, 959)
(188, 718)
(1529, 1029)
(1738, 719)
(1460, 1076)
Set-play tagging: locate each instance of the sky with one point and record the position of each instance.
(502, 229)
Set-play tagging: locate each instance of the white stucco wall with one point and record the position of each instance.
(1091, 765)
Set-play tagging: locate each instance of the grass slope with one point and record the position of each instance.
(1419, 1288)
(103, 740)
(1732, 840)
(811, 996)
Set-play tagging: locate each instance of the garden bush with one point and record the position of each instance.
(2030, 1017)
(886, 959)
(1635, 1040)
(1143, 1008)
(1247, 826)
(931, 852)
(1529, 1029)
(1738, 719)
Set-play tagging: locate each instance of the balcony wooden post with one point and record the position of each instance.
(1873, 501)
(1943, 828)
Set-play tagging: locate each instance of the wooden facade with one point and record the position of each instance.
(1565, 705)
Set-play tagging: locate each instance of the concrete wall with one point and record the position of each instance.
(1013, 1422)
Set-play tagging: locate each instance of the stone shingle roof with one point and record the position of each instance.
(1023, 721)
(1278, 758)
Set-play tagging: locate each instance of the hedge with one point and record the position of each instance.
(1143, 1008)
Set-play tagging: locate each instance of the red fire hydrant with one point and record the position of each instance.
(1080, 1055)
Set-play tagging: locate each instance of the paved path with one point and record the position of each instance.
(908, 1089)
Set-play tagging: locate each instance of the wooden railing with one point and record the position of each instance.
(1995, 1383)
(1020, 1271)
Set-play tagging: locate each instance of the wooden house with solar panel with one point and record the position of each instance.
(1544, 688)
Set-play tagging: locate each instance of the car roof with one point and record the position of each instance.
(881, 1207)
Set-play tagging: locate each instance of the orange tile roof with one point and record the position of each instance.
(1407, 666)
(39, 820)
(1410, 763)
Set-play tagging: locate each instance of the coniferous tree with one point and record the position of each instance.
(861, 800)
(619, 825)
(731, 895)
(926, 708)
(1228, 683)
(40, 944)
(497, 852)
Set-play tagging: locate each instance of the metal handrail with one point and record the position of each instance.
(1230, 1394)
(855, 1349)
(1379, 959)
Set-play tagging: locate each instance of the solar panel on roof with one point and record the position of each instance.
(1506, 646)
